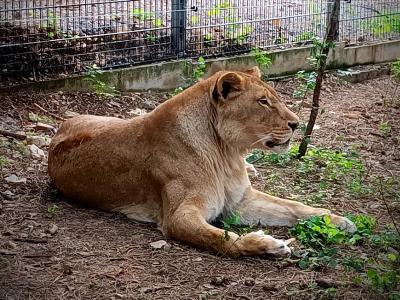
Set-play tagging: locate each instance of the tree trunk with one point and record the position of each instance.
(330, 37)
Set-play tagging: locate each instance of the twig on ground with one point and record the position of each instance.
(13, 134)
(387, 205)
(47, 112)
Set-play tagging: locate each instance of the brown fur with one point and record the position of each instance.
(181, 165)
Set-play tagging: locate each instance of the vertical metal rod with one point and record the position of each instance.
(178, 34)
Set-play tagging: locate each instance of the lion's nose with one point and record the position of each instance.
(293, 125)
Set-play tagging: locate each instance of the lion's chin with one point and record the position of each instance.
(278, 148)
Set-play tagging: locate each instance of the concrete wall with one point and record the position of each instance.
(172, 74)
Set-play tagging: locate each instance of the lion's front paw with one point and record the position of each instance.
(257, 243)
(343, 223)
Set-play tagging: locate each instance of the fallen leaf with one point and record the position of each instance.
(15, 179)
(159, 244)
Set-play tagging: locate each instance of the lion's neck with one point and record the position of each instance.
(195, 118)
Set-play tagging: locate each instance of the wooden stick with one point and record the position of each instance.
(50, 113)
(13, 134)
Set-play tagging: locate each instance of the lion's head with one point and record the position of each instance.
(249, 111)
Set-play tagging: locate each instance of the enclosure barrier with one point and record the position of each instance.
(42, 39)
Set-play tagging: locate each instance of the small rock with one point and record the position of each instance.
(326, 282)
(11, 245)
(219, 280)
(53, 228)
(70, 114)
(270, 287)
(197, 259)
(249, 281)
(137, 112)
(44, 127)
(159, 244)
(15, 179)
(351, 116)
(36, 152)
(37, 140)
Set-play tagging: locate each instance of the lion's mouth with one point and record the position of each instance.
(271, 144)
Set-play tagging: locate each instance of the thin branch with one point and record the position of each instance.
(13, 134)
(47, 112)
(387, 206)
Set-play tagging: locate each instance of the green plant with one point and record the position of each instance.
(317, 232)
(176, 91)
(261, 57)
(385, 129)
(307, 84)
(217, 9)
(142, 15)
(93, 76)
(395, 68)
(51, 24)
(232, 223)
(305, 36)
(383, 281)
(354, 263)
(388, 22)
(3, 161)
(52, 209)
(200, 69)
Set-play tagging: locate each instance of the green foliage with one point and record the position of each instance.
(261, 57)
(52, 210)
(385, 129)
(232, 223)
(386, 23)
(383, 281)
(354, 263)
(101, 89)
(317, 232)
(231, 220)
(51, 24)
(3, 161)
(395, 68)
(386, 239)
(307, 84)
(305, 36)
(141, 14)
(217, 10)
(320, 259)
(176, 91)
(200, 69)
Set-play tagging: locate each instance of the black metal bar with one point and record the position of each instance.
(178, 27)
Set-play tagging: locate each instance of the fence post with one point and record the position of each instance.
(178, 27)
(329, 12)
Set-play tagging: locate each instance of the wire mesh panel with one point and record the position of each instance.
(367, 21)
(218, 27)
(43, 37)
(49, 38)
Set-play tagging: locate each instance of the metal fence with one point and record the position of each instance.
(51, 38)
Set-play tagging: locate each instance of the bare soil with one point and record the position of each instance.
(51, 249)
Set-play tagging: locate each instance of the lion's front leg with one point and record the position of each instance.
(186, 222)
(260, 208)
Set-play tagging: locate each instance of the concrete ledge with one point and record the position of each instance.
(172, 74)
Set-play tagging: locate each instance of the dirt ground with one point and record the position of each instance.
(51, 249)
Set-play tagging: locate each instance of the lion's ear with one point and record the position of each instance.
(227, 86)
(254, 71)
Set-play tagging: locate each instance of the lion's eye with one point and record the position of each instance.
(264, 102)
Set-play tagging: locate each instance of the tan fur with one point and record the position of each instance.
(181, 165)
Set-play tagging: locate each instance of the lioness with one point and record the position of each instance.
(181, 165)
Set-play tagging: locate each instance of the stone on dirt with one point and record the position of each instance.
(36, 152)
(38, 140)
(70, 114)
(15, 179)
(159, 244)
